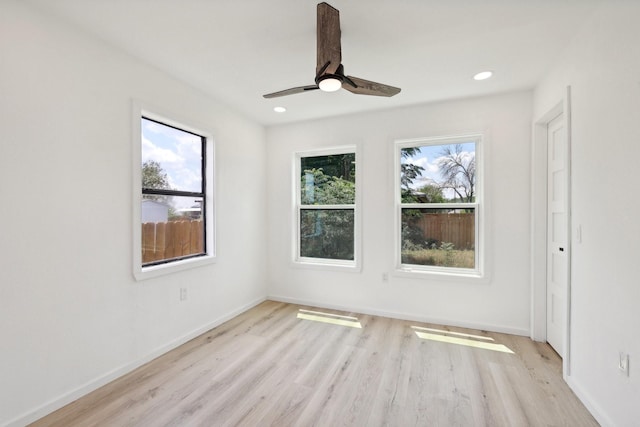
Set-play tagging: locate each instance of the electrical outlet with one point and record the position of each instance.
(183, 294)
(385, 277)
(623, 363)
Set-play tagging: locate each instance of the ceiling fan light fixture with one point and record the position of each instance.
(329, 83)
(330, 75)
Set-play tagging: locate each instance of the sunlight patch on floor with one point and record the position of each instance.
(333, 319)
(458, 334)
(459, 338)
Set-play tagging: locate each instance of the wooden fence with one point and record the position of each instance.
(166, 240)
(456, 228)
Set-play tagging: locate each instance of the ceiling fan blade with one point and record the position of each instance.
(366, 87)
(291, 91)
(328, 39)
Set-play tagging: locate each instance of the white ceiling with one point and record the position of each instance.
(238, 50)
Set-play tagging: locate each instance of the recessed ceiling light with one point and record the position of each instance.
(279, 109)
(483, 75)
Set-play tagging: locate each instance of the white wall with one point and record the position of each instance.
(502, 302)
(602, 66)
(71, 314)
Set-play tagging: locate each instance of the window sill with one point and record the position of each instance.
(459, 276)
(326, 265)
(144, 273)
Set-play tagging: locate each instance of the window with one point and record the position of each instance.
(326, 208)
(173, 197)
(438, 205)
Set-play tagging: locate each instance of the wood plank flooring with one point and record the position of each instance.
(287, 365)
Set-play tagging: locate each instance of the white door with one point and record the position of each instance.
(557, 234)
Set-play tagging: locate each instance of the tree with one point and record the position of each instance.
(338, 165)
(326, 189)
(327, 233)
(432, 193)
(458, 169)
(154, 177)
(408, 173)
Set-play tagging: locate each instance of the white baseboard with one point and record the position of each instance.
(405, 316)
(589, 403)
(102, 380)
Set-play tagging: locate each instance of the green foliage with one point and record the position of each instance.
(409, 152)
(153, 176)
(320, 189)
(327, 233)
(408, 173)
(432, 193)
(413, 237)
(338, 165)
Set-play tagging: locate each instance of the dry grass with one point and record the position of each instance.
(440, 257)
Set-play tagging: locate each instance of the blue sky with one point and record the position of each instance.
(428, 158)
(179, 155)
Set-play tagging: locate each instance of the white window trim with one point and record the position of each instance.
(324, 263)
(140, 110)
(434, 272)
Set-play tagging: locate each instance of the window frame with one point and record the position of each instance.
(427, 271)
(143, 272)
(298, 207)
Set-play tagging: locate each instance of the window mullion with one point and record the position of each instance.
(160, 192)
(326, 207)
(438, 205)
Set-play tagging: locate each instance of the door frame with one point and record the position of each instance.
(539, 161)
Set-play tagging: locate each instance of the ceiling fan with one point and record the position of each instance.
(330, 75)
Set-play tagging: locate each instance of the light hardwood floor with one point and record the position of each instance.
(286, 365)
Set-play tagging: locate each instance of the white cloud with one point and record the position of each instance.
(429, 174)
(162, 155)
(465, 156)
(432, 168)
(188, 180)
